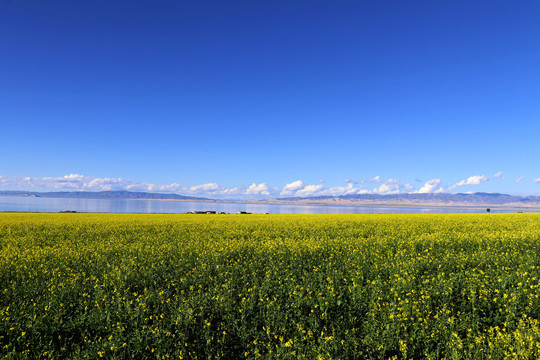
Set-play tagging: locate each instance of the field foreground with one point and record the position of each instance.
(124, 286)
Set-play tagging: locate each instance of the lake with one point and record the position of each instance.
(37, 204)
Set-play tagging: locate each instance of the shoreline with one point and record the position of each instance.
(328, 203)
(360, 204)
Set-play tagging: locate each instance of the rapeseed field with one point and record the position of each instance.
(133, 286)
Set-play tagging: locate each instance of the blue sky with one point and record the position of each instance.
(251, 99)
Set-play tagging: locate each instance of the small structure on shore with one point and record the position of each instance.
(204, 212)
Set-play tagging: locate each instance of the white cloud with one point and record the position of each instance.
(289, 189)
(72, 177)
(432, 186)
(255, 189)
(165, 188)
(498, 175)
(391, 186)
(232, 191)
(537, 180)
(518, 180)
(309, 190)
(376, 179)
(339, 190)
(408, 188)
(473, 180)
(204, 188)
(364, 191)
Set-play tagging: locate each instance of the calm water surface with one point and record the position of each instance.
(29, 204)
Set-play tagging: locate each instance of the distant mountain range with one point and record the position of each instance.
(121, 194)
(440, 199)
(478, 199)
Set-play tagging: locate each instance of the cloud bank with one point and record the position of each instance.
(254, 191)
(298, 188)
